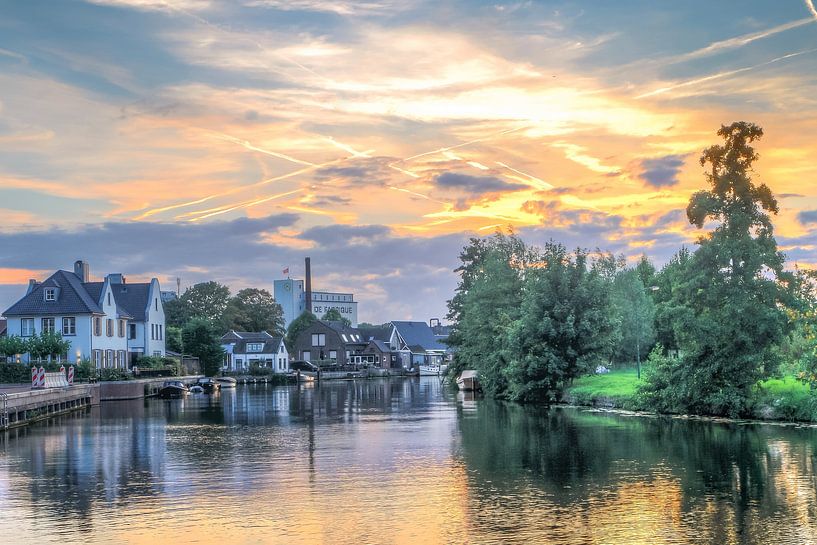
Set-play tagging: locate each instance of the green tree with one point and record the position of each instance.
(207, 300)
(564, 328)
(12, 345)
(334, 315)
(173, 339)
(201, 340)
(485, 305)
(298, 325)
(47, 345)
(732, 294)
(635, 314)
(646, 272)
(255, 309)
(177, 313)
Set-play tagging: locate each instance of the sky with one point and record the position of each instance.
(208, 140)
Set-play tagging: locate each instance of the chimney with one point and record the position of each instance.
(82, 270)
(308, 264)
(31, 285)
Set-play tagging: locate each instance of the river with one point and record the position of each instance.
(398, 462)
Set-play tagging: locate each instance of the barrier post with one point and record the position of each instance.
(71, 375)
(41, 377)
(34, 377)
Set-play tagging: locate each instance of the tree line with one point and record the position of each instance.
(714, 321)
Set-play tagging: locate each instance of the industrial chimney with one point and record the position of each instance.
(308, 272)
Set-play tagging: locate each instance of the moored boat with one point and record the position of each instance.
(227, 382)
(430, 370)
(468, 381)
(209, 385)
(172, 389)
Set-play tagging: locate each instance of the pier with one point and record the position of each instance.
(22, 406)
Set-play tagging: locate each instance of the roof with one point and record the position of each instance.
(380, 333)
(131, 299)
(76, 297)
(73, 298)
(3, 327)
(342, 329)
(383, 346)
(271, 342)
(418, 335)
(234, 336)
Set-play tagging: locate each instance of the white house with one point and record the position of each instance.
(110, 322)
(243, 349)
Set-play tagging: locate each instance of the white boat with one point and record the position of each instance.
(227, 382)
(430, 370)
(468, 381)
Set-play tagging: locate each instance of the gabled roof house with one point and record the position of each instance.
(416, 344)
(111, 322)
(245, 348)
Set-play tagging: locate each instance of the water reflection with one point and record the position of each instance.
(400, 461)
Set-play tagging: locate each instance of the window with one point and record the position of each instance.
(109, 327)
(27, 327)
(109, 298)
(318, 339)
(156, 303)
(97, 326)
(281, 350)
(121, 331)
(109, 361)
(307, 355)
(122, 361)
(48, 325)
(69, 326)
(50, 294)
(333, 354)
(255, 347)
(344, 338)
(157, 353)
(161, 332)
(152, 332)
(131, 331)
(98, 359)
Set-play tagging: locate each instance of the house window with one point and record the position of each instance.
(344, 338)
(318, 339)
(109, 298)
(281, 350)
(156, 303)
(69, 326)
(333, 354)
(152, 332)
(48, 325)
(109, 361)
(50, 294)
(161, 332)
(131, 331)
(122, 361)
(109, 327)
(157, 353)
(98, 359)
(307, 355)
(255, 347)
(27, 327)
(121, 331)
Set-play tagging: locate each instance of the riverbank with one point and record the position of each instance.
(786, 398)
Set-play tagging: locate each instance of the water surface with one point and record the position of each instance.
(400, 461)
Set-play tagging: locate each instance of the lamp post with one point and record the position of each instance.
(79, 356)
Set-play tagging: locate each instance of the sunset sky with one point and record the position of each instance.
(225, 140)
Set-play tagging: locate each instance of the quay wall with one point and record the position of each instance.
(23, 408)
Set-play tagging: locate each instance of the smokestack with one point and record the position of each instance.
(82, 270)
(308, 266)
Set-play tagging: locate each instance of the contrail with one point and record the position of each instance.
(245, 204)
(409, 173)
(721, 74)
(474, 141)
(251, 147)
(347, 148)
(739, 41)
(543, 184)
(811, 8)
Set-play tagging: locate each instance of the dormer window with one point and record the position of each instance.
(255, 347)
(50, 294)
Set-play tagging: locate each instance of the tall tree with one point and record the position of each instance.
(201, 340)
(298, 325)
(635, 313)
(334, 315)
(207, 300)
(255, 309)
(12, 345)
(487, 301)
(733, 292)
(564, 328)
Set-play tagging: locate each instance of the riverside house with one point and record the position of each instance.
(111, 322)
(416, 344)
(329, 342)
(243, 349)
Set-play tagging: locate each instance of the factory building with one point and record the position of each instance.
(295, 296)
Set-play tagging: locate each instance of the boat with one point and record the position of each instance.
(468, 381)
(196, 389)
(430, 370)
(209, 385)
(172, 389)
(227, 382)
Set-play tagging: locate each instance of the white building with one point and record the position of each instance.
(110, 322)
(244, 349)
(290, 294)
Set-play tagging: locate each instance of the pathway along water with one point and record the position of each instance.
(401, 461)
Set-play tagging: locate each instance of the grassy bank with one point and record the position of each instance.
(776, 399)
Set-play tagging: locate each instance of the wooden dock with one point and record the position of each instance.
(20, 408)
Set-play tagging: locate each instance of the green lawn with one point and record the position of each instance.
(779, 399)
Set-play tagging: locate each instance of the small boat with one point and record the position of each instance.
(227, 382)
(430, 370)
(196, 389)
(172, 389)
(468, 381)
(209, 385)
